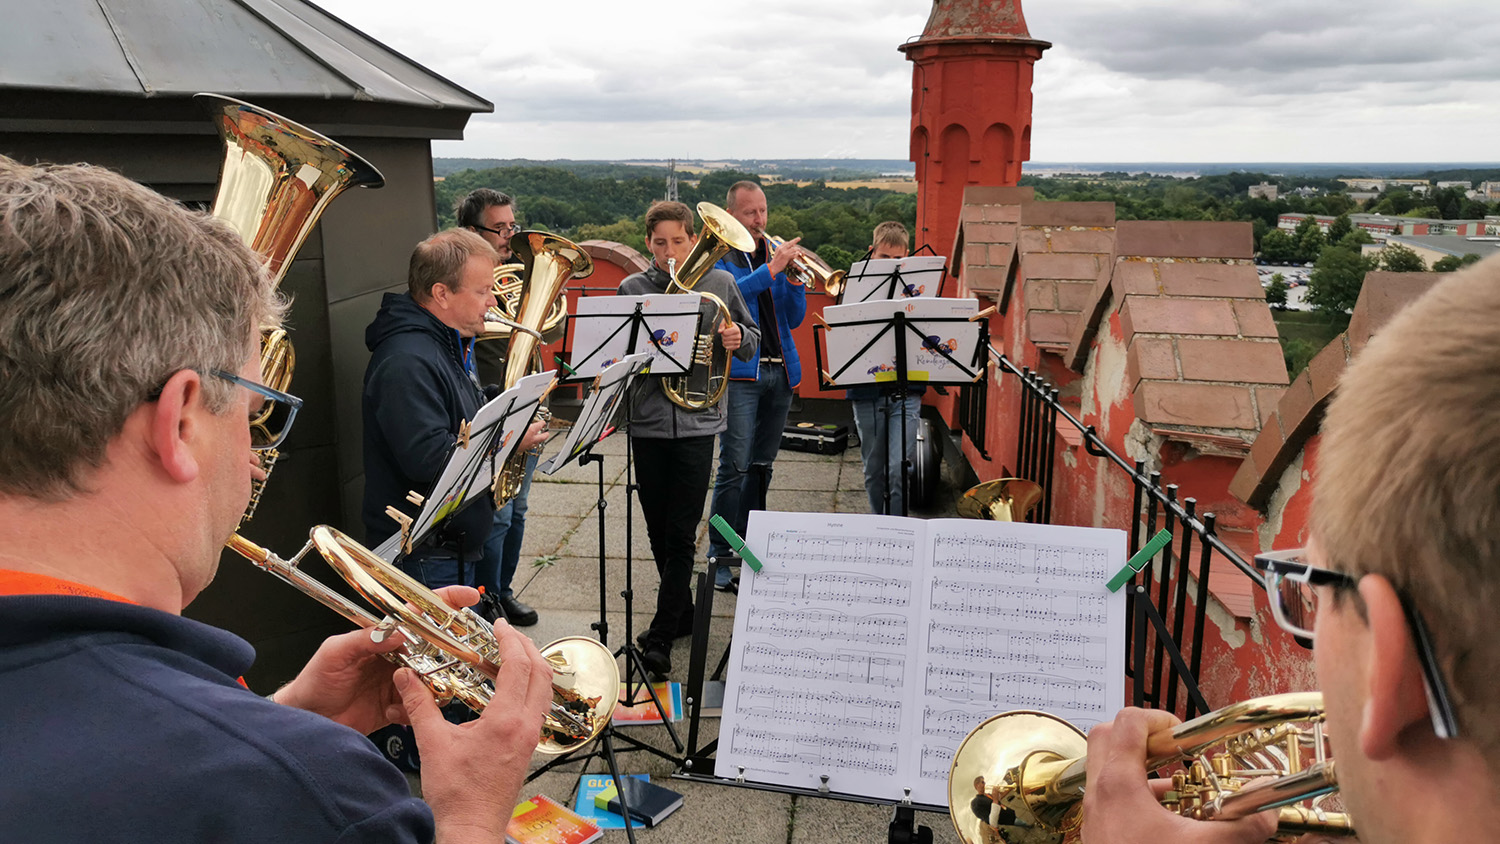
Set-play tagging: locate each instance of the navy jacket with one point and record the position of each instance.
(126, 724)
(419, 387)
(789, 301)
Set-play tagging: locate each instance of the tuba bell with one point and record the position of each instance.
(276, 180)
(1262, 754)
(809, 270)
(701, 387)
(1001, 500)
(547, 263)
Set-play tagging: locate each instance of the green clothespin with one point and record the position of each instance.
(1134, 565)
(736, 543)
(558, 359)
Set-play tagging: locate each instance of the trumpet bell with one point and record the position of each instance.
(1001, 500)
(456, 654)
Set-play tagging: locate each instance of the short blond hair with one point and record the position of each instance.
(107, 289)
(891, 233)
(1408, 482)
(440, 259)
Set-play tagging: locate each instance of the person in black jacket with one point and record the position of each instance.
(419, 388)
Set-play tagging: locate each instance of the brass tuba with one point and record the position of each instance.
(810, 271)
(1240, 760)
(548, 262)
(702, 386)
(510, 281)
(454, 652)
(1001, 500)
(276, 180)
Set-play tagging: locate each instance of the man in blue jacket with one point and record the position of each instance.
(128, 371)
(760, 389)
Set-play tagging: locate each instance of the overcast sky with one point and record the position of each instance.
(1136, 81)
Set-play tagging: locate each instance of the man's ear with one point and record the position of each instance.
(176, 423)
(1396, 698)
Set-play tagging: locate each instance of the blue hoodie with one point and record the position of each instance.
(126, 724)
(419, 387)
(788, 300)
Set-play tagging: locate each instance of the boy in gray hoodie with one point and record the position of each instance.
(673, 446)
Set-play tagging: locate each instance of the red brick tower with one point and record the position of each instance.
(970, 107)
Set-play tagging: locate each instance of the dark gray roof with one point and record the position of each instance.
(1450, 244)
(243, 48)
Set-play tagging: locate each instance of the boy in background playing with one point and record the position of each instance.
(674, 447)
(878, 410)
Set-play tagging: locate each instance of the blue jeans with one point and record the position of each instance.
(756, 412)
(879, 426)
(502, 551)
(436, 572)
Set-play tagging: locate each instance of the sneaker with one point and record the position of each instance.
(516, 612)
(657, 658)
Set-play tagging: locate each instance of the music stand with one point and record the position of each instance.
(608, 328)
(897, 343)
(486, 441)
(894, 278)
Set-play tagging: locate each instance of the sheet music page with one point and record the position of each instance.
(876, 364)
(870, 281)
(824, 652)
(958, 339)
(597, 411)
(847, 344)
(1016, 616)
(868, 647)
(601, 336)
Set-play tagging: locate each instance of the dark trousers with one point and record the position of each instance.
(673, 480)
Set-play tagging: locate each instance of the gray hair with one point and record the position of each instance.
(736, 188)
(107, 289)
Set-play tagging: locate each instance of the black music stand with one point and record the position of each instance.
(895, 329)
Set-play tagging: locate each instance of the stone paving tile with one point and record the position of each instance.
(806, 476)
(571, 500)
(828, 821)
(800, 500)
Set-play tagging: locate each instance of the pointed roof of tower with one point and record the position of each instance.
(976, 20)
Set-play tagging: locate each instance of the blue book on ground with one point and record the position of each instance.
(592, 784)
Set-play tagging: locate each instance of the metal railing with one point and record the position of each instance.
(1162, 670)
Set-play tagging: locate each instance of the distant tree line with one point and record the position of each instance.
(598, 202)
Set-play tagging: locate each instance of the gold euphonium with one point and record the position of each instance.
(809, 270)
(1001, 500)
(1268, 753)
(548, 262)
(454, 652)
(277, 178)
(510, 281)
(704, 384)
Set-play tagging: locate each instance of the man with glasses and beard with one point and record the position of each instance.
(1397, 590)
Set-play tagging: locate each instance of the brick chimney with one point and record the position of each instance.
(970, 107)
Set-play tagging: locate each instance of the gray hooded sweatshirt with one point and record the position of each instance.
(652, 414)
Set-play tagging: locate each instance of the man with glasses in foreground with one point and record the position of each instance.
(128, 373)
(1398, 589)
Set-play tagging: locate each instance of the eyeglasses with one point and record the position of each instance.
(1291, 584)
(271, 421)
(505, 229)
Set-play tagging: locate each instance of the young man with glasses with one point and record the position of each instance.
(492, 215)
(129, 371)
(1397, 590)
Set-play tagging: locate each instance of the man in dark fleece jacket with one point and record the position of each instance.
(128, 371)
(674, 447)
(419, 389)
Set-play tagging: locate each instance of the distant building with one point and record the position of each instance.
(1264, 190)
(1467, 186)
(1375, 185)
(1489, 191)
(1382, 225)
(1432, 248)
(1416, 186)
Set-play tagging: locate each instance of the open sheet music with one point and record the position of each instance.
(868, 647)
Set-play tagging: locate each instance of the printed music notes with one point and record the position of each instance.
(868, 647)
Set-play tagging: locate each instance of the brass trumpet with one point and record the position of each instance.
(1034, 763)
(808, 270)
(454, 652)
(703, 386)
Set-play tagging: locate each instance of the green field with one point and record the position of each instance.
(1303, 335)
